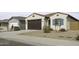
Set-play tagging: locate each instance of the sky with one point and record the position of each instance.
(7, 15)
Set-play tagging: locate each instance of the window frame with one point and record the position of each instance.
(58, 22)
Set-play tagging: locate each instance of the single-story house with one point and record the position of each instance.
(4, 25)
(16, 21)
(56, 21)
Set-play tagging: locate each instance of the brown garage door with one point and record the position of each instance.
(34, 24)
(74, 25)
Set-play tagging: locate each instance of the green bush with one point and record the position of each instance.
(77, 38)
(47, 29)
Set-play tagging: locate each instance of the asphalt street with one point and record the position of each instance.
(36, 41)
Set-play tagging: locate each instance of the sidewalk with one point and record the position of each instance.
(37, 41)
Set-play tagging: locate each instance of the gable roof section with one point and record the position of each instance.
(36, 14)
(39, 14)
(55, 13)
(17, 17)
(73, 18)
(62, 13)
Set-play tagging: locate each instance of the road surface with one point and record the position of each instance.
(36, 41)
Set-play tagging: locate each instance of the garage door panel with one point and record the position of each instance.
(34, 24)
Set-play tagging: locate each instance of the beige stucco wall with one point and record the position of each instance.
(33, 18)
(62, 16)
(73, 24)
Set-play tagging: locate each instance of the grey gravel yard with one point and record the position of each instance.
(69, 35)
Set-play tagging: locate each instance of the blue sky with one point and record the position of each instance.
(7, 15)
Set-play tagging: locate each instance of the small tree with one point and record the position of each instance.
(46, 27)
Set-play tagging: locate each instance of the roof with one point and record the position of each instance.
(55, 13)
(5, 20)
(39, 14)
(18, 18)
(73, 17)
(48, 15)
(36, 14)
(62, 13)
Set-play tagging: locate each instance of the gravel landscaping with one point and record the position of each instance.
(69, 35)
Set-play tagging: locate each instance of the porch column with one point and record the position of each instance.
(46, 23)
(26, 24)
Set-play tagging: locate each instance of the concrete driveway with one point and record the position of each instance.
(36, 41)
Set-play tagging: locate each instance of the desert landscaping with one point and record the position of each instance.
(68, 35)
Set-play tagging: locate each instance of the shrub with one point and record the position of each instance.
(62, 30)
(77, 38)
(46, 29)
(1, 28)
(16, 28)
(51, 29)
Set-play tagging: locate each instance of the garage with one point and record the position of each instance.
(34, 24)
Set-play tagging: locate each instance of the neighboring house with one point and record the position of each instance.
(4, 25)
(56, 21)
(16, 21)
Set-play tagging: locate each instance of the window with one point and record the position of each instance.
(58, 22)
